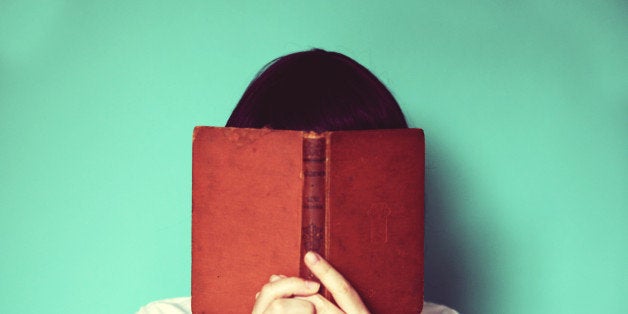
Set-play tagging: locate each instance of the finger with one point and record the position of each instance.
(290, 306)
(283, 288)
(322, 305)
(344, 294)
(271, 279)
(276, 277)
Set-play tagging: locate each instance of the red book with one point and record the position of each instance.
(261, 198)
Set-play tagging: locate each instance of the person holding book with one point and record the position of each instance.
(314, 90)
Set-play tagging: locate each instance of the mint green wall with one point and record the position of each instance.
(524, 104)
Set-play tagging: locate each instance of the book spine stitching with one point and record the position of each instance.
(313, 200)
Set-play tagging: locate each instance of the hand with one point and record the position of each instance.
(295, 295)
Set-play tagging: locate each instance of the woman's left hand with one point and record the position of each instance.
(295, 295)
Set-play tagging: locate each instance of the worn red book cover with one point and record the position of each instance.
(261, 198)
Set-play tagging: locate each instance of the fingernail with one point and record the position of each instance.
(274, 278)
(312, 285)
(311, 258)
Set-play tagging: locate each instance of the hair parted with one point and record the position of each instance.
(317, 90)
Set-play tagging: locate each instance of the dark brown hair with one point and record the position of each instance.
(317, 90)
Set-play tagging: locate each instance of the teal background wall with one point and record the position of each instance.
(524, 104)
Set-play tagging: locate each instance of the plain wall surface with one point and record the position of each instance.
(524, 105)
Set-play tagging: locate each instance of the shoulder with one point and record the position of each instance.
(167, 306)
(432, 308)
(183, 306)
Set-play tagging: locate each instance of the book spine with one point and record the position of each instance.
(313, 201)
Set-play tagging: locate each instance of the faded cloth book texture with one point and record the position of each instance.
(261, 198)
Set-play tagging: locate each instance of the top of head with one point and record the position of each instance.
(317, 90)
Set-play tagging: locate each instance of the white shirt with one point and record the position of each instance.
(183, 306)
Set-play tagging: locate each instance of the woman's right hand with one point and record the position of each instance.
(295, 295)
(282, 295)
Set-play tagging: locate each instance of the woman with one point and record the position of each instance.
(318, 91)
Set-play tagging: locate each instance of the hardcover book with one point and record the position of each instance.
(261, 198)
